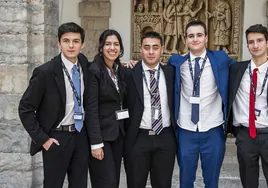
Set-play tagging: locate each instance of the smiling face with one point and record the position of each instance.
(196, 39)
(71, 44)
(257, 45)
(151, 50)
(111, 49)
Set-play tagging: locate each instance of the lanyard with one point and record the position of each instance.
(145, 80)
(195, 82)
(116, 83)
(78, 98)
(252, 85)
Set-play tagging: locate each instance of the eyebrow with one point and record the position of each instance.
(154, 45)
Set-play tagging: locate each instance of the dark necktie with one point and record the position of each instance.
(77, 108)
(157, 124)
(252, 116)
(195, 107)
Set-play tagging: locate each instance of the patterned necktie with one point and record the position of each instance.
(77, 108)
(252, 116)
(157, 124)
(195, 107)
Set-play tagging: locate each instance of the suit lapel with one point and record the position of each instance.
(59, 78)
(214, 67)
(137, 77)
(238, 77)
(169, 84)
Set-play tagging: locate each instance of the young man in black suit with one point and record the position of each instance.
(52, 112)
(248, 107)
(150, 143)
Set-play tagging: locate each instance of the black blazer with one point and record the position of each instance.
(135, 101)
(103, 101)
(42, 106)
(237, 71)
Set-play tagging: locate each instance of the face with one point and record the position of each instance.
(151, 51)
(71, 45)
(257, 44)
(111, 49)
(196, 39)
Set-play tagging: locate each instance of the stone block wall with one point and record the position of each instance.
(28, 37)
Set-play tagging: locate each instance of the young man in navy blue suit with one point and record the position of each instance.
(201, 89)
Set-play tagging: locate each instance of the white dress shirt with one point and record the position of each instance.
(146, 121)
(210, 107)
(241, 102)
(69, 106)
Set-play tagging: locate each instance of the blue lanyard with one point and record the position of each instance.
(145, 80)
(78, 98)
(195, 82)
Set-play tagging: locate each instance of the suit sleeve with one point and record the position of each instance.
(92, 108)
(28, 106)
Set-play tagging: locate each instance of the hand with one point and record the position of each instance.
(129, 64)
(97, 153)
(49, 142)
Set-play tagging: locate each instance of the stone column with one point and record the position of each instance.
(94, 19)
(28, 30)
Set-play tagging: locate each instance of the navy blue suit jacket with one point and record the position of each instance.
(220, 63)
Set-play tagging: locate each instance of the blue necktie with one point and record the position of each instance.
(77, 108)
(195, 107)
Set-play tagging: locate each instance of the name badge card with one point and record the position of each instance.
(194, 100)
(257, 112)
(78, 116)
(121, 114)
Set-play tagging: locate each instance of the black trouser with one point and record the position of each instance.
(248, 153)
(70, 157)
(154, 154)
(105, 173)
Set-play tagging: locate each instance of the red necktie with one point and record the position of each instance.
(252, 116)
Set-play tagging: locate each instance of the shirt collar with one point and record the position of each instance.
(261, 68)
(146, 68)
(68, 64)
(203, 55)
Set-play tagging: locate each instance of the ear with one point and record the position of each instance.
(162, 49)
(59, 45)
(83, 45)
(206, 37)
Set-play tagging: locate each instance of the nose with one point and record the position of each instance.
(195, 37)
(112, 46)
(151, 51)
(71, 44)
(255, 44)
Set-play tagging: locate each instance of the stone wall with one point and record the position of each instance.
(28, 30)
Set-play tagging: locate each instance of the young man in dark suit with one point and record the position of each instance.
(248, 107)
(150, 143)
(52, 112)
(201, 89)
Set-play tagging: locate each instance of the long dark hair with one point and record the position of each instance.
(100, 59)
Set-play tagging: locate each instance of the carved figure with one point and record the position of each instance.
(154, 7)
(170, 28)
(221, 24)
(140, 8)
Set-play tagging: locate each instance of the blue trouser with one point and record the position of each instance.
(210, 146)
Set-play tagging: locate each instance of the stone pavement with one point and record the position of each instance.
(229, 177)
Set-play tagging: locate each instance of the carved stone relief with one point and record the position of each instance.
(169, 18)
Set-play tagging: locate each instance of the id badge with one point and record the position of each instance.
(257, 112)
(78, 116)
(194, 100)
(155, 113)
(121, 114)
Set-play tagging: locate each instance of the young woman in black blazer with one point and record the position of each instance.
(106, 91)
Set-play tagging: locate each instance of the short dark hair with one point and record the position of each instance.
(71, 27)
(257, 28)
(152, 34)
(195, 22)
(103, 37)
